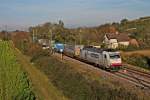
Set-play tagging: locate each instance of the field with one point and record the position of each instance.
(14, 84)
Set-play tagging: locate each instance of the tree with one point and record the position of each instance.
(61, 23)
(21, 40)
(124, 21)
(4, 35)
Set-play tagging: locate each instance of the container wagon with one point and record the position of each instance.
(72, 50)
(59, 47)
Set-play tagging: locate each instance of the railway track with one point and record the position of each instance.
(137, 77)
(145, 74)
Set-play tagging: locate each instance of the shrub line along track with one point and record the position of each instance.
(138, 78)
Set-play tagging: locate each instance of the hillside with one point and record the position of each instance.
(138, 29)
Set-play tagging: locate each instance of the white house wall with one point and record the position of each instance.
(124, 43)
(113, 43)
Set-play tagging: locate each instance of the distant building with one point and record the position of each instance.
(113, 40)
(45, 43)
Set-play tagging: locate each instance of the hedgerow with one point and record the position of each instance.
(138, 60)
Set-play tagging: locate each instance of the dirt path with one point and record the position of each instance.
(43, 89)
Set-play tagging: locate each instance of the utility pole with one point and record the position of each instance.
(6, 34)
(36, 32)
(50, 34)
(33, 37)
(80, 31)
(50, 44)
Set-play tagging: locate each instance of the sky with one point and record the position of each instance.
(74, 13)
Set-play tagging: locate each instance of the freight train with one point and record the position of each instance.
(103, 58)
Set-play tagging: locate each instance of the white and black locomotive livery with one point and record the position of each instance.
(106, 59)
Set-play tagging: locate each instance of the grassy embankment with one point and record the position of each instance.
(42, 87)
(77, 87)
(14, 84)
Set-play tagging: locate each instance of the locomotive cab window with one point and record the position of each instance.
(105, 56)
(43, 45)
(116, 56)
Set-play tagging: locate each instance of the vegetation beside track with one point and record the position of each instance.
(42, 87)
(137, 60)
(72, 84)
(76, 87)
(14, 83)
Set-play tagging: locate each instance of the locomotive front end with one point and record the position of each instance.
(115, 61)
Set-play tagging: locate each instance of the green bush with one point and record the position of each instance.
(40, 53)
(138, 60)
(36, 52)
(128, 48)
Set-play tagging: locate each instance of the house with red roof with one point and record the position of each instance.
(113, 40)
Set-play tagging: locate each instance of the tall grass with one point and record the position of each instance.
(14, 84)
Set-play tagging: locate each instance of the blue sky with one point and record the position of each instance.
(74, 13)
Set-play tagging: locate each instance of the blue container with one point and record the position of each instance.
(59, 47)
